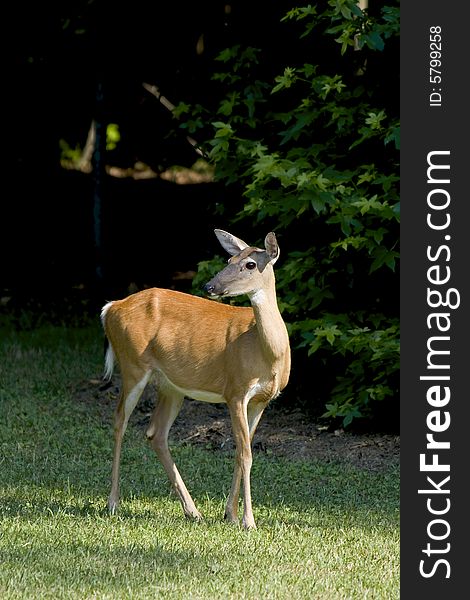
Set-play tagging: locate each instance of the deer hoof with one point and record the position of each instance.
(194, 516)
(248, 523)
(231, 519)
(112, 507)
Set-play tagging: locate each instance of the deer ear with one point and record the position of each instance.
(229, 242)
(272, 248)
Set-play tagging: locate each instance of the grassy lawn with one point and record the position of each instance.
(324, 530)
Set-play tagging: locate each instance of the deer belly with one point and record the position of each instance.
(201, 395)
(204, 396)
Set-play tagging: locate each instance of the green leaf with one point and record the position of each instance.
(393, 136)
(375, 119)
(383, 256)
(373, 40)
(284, 81)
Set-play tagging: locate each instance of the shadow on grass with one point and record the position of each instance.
(297, 493)
(88, 566)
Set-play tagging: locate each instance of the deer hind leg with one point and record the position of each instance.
(133, 384)
(244, 423)
(168, 406)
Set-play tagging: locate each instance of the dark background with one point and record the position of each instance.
(72, 62)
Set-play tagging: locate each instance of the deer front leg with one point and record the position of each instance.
(242, 470)
(254, 413)
(168, 406)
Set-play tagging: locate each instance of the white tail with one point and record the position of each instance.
(206, 351)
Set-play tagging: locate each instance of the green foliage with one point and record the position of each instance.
(112, 136)
(74, 156)
(67, 153)
(372, 355)
(314, 151)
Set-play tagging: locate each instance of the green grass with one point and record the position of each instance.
(324, 530)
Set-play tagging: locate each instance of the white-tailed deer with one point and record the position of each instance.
(204, 350)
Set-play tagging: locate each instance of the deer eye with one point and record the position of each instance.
(251, 265)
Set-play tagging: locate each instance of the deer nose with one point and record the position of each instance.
(209, 288)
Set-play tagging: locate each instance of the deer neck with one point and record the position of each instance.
(271, 328)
